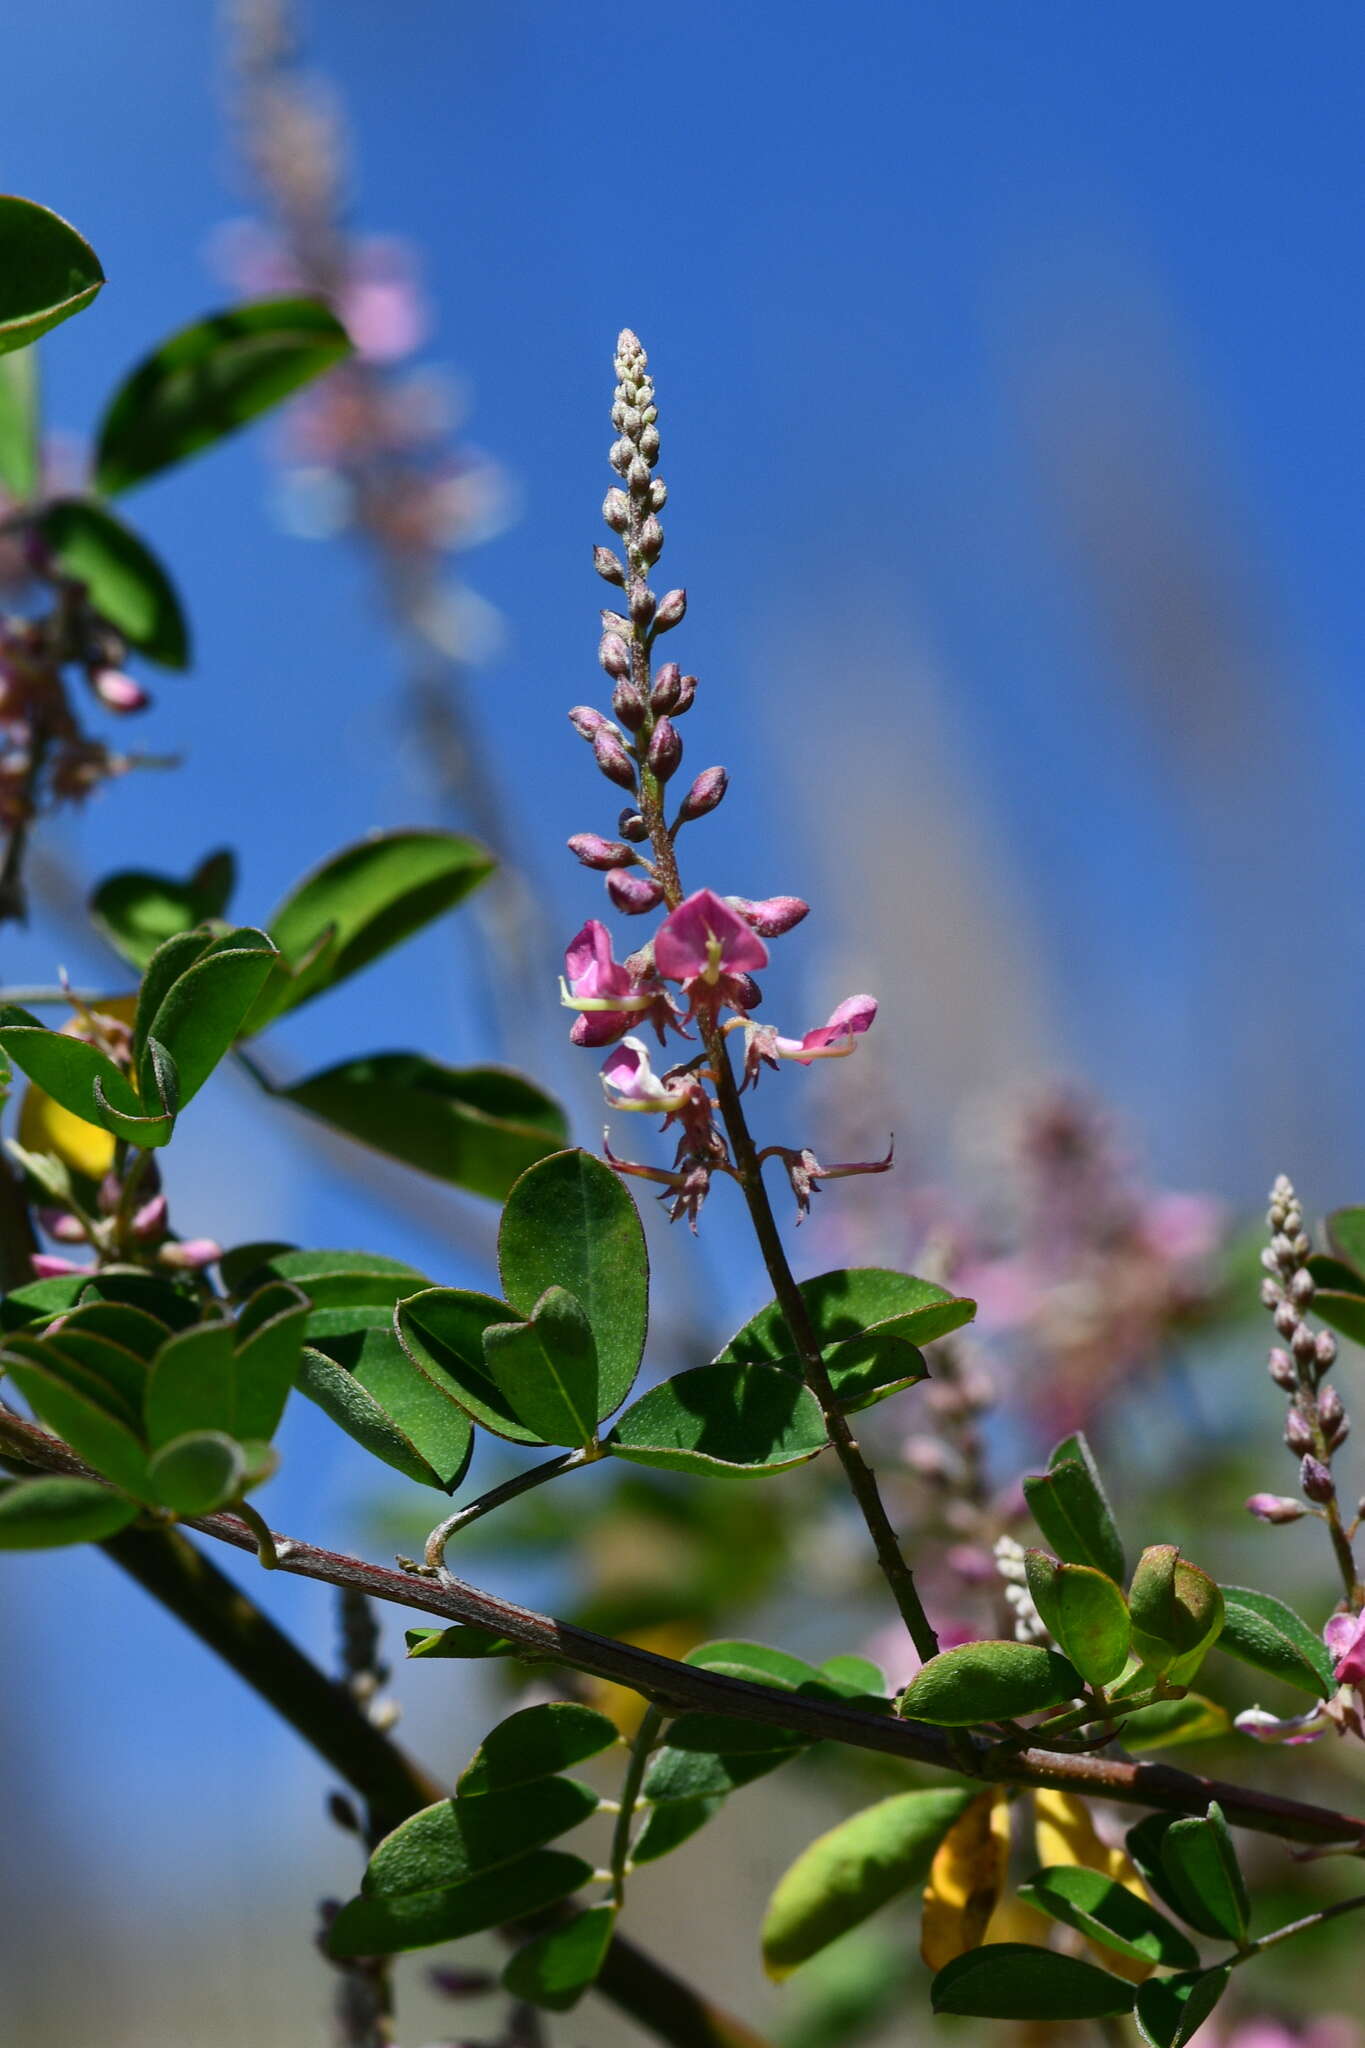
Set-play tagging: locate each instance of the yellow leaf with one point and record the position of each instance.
(965, 1881)
(44, 1126)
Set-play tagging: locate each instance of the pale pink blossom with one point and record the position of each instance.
(1344, 1636)
(629, 1082)
(608, 996)
(835, 1039)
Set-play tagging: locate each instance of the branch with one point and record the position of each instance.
(678, 1687)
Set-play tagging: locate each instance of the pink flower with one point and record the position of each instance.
(1295, 1728)
(118, 692)
(629, 1082)
(710, 949)
(609, 997)
(1344, 1636)
(835, 1039)
(45, 1267)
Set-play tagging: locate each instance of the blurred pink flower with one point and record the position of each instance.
(854, 1015)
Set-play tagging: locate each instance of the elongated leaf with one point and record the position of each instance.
(44, 1514)
(534, 1744)
(1069, 1504)
(546, 1370)
(269, 1340)
(1346, 1235)
(336, 1279)
(556, 1968)
(200, 1014)
(132, 1329)
(1144, 1845)
(137, 911)
(340, 1396)
(570, 1223)
(760, 1665)
(1108, 1912)
(1009, 1980)
(462, 1639)
(124, 581)
(442, 1330)
(456, 1838)
(47, 271)
(382, 1926)
(119, 1370)
(845, 1304)
(72, 1072)
(1202, 1872)
(1084, 1612)
(988, 1682)
(210, 379)
(1167, 1724)
(19, 450)
(96, 1436)
(851, 1871)
(76, 1374)
(966, 1879)
(741, 1420)
(426, 1414)
(667, 1827)
(1344, 1311)
(1261, 1630)
(198, 1473)
(1171, 2010)
(192, 1385)
(715, 1757)
(474, 1127)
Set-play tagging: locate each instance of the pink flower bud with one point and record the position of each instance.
(190, 1254)
(1297, 1434)
(632, 826)
(671, 612)
(118, 692)
(46, 1267)
(687, 690)
(772, 916)
(616, 510)
(633, 894)
(59, 1223)
(637, 476)
(608, 567)
(628, 704)
(149, 1222)
(665, 750)
(651, 539)
(706, 792)
(641, 603)
(587, 721)
(664, 695)
(1316, 1481)
(613, 759)
(596, 852)
(620, 455)
(1275, 1507)
(614, 655)
(1281, 1369)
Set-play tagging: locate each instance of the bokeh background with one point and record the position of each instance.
(1009, 364)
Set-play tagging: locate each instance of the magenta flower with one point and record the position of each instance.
(711, 950)
(629, 1082)
(1344, 1636)
(609, 997)
(835, 1039)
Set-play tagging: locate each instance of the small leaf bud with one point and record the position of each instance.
(616, 510)
(632, 826)
(664, 695)
(665, 750)
(628, 704)
(608, 566)
(596, 852)
(672, 609)
(613, 759)
(1316, 1481)
(706, 792)
(614, 655)
(633, 893)
(1275, 1507)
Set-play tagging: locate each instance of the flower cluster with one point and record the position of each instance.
(697, 969)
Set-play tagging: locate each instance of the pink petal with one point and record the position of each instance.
(682, 948)
(589, 965)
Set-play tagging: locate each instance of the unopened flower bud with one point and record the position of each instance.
(658, 495)
(632, 826)
(1301, 1288)
(613, 759)
(745, 992)
(664, 694)
(706, 792)
(687, 690)
(587, 721)
(641, 603)
(61, 1225)
(190, 1254)
(1330, 1408)
(596, 852)
(1316, 1481)
(772, 916)
(1286, 1319)
(616, 510)
(671, 612)
(46, 1266)
(149, 1222)
(649, 444)
(615, 622)
(1271, 1293)
(1282, 1369)
(621, 456)
(1275, 1507)
(637, 476)
(608, 567)
(665, 749)
(118, 692)
(633, 894)
(1297, 1433)
(1327, 1349)
(1304, 1345)
(628, 704)
(614, 655)
(651, 540)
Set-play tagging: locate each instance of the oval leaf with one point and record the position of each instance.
(442, 1330)
(1070, 1506)
(456, 1838)
(1203, 1875)
(556, 1968)
(546, 1370)
(124, 581)
(1171, 2010)
(744, 1420)
(988, 1682)
(138, 911)
(1084, 1612)
(536, 1743)
(43, 1514)
(198, 1473)
(381, 1926)
(427, 1414)
(47, 271)
(1261, 1630)
(192, 1385)
(339, 1396)
(1009, 1980)
(1109, 1913)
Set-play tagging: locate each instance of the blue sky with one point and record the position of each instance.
(1010, 371)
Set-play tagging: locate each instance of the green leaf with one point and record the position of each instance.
(708, 1757)
(442, 1330)
(474, 1127)
(200, 1014)
(338, 1279)
(758, 1664)
(340, 1396)
(462, 1639)
(120, 1375)
(74, 1373)
(132, 1329)
(1069, 1504)
(198, 1473)
(137, 911)
(988, 1682)
(856, 1677)
(1261, 1630)
(570, 1223)
(1205, 1880)
(360, 903)
(556, 1968)
(124, 581)
(381, 1926)
(1177, 1612)
(76, 1075)
(423, 1411)
(192, 1385)
(20, 455)
(210, 379)
(93, 1434)
(536, 1743)
(1008, 1980)
(1084, 1612)
(1171, 2010)
(1346, 1235)
(668, 1826)
(1168, 1723)
(546, 1370)
(47, 272)
(456, 1838)
(1107, 1912)
(173, 1302)
(850, 1872)
(269, 1339)
(848, 1303)
(44, 1514)
(722, 1419)
(1344, 1312)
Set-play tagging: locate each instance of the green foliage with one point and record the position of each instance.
(1008, 1980)
(442, 1330)
(1170, 2010)
(1069, 1504)
(854, 1869)
(462, 1640)
(1177, 1612)
(1107, 1912)
(988, 1682)
(137, 910)
(745, 1420)
(869, 1321)
(1261, 1630)
(43, 1514)
(356, 1371)
(1084, 1612)
(199, 1472)
(546, 1370)
(1168, 1723)
(1193, 1871)
(47, 272)
(370, 1926)
(556, 1968)
(81, 1078)
(124, 581)
(19, 451)
(210, 379)
(456, 1838)
(707, 1757)
(328, 1279)
(669, 1825)
(535, 1743)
